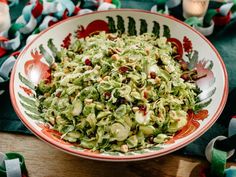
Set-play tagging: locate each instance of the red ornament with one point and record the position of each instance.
(37, 10)
(2, 51)
(222, 20)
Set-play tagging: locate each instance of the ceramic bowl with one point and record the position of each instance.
(33, 64)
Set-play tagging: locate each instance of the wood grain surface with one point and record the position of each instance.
(42, 160)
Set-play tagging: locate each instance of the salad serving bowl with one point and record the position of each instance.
(37, 60)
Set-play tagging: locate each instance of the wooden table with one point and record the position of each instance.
(43, 160)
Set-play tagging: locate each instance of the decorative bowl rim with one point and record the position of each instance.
(135, 157)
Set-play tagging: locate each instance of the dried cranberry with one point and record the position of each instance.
(121, 100)
(151, 140)
(153, 75)
(126, 80)
(142, 108)
(88, 62)
(123, 69)
(58, 94)
(145, 94)
(107, 95)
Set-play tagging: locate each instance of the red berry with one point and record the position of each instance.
(107, 95)
(142, 108)
(123, 69)
(88, 62)
(145, 94)
(58, 94)
(153, 75)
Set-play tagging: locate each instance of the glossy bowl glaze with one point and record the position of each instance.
(34, 62)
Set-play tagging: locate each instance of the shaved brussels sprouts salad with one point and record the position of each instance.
(114, 92)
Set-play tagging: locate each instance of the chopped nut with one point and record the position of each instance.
(174, 49)
(135, 109)
(46, 94)
(88, 101)
(65, 59)
(111, 37)
(118, 49)
(97, 67)
(66, 70)
(106, 78)
(124, 148)
(147, 50)
(158, 80)
(157, 55)
(89, 68)
(99, 79)
(54, 66)
(57, 119)
(112, 51)
(52, 120)
(115, 57)
(72, 98)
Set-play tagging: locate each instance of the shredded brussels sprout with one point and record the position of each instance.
(117, 94)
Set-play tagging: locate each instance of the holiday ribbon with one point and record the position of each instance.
(218, 157)
(218, 162)
(13, 2)
(13, 168)
(12, 165)
(36, 16)
(219, 17)
(51, 12)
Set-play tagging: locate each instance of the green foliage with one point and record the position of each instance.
(27, 100)
(55, 52)
(166, 31)
(132, 27)
(193, 59)
(120, 24)
(34, 116)
(156, 29)
(200, 106)
(111, 24)
(30, 108)
(143, 26)
(49, 59)
(26, 82)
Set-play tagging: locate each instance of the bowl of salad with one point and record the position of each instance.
(119, 85)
